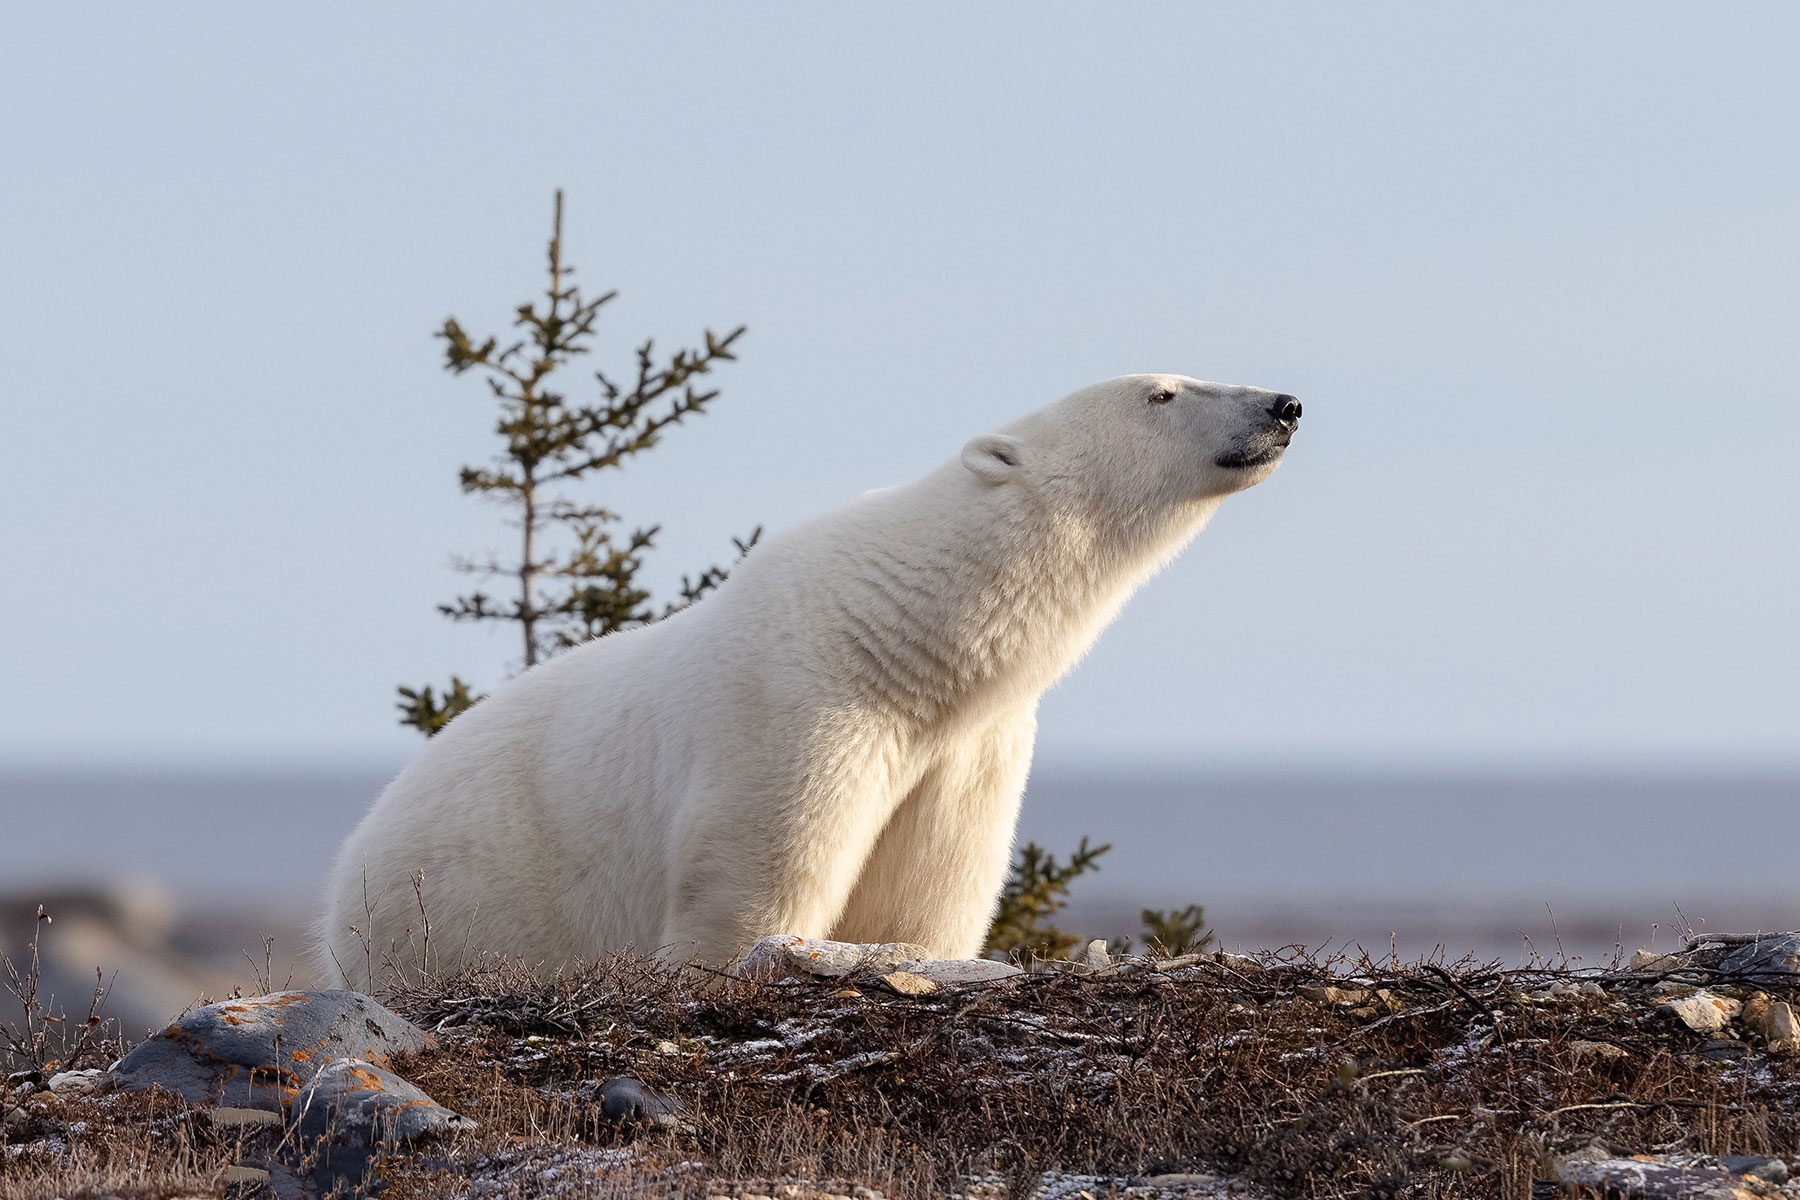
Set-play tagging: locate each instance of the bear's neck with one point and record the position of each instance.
(986, 606)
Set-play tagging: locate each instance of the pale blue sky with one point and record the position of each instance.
(1534, 271)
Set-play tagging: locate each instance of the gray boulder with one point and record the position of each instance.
(1765, 958)
(260, 1052)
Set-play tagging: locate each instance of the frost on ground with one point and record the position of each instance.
(1220, 1075)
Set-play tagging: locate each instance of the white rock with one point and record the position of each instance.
(1243, 964)
(1095, 958)
(1649, 962)
(1173, 964)
(782, 956)
(785, 956)
(76, 1083)
(1704, 1012)
(960, 972)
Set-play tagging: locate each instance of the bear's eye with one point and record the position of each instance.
(1161, 396)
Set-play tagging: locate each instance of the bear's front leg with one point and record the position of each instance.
(936, 871)
(776, 846)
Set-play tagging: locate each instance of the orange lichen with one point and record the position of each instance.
(368, 1079)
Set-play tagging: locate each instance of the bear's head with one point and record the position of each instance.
(1143, 442)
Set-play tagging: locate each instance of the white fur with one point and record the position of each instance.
(834, 744)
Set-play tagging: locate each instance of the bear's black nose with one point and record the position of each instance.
(1285, 409)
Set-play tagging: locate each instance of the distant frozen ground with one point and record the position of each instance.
(1476, 861)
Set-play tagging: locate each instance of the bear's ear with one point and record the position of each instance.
(993, 456)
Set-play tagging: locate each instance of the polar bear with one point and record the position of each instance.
(835, 743)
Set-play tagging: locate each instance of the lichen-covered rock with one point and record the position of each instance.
(259, 1052)
(1645, 1177)
(348, 1113)
(1759, 1165)
(1703, 1011)
(350, 1101)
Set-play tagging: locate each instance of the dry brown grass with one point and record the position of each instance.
(1454, 1081)
(1438, 1081)
(131, 1146)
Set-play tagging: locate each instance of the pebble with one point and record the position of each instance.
(1723, 1049)
(627, 1101)
(1241, 963)
(1649, 962)
(1333, 995)
(1604, 1051)
(906, 983)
